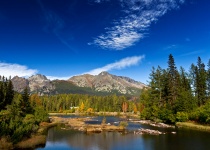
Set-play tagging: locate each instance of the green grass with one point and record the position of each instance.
(192, 125)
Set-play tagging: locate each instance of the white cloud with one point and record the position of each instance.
(121, 64)
(7, 69)
(59, 78)
(140, 14)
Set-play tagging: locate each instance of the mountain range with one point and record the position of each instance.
(101, 84)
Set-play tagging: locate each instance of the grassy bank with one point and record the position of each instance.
(37, 139)
(192, 125)
(121, 114)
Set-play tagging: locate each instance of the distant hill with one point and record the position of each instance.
(102, 84)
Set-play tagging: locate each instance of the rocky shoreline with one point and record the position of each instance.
(80, 125)
(152, 123)
(148, 131)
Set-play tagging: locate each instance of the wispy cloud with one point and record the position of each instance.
(54, 24)
(140, 14)
(121, 64)
(171, 47)
(8, 69)
(192, 53)
(99, 1)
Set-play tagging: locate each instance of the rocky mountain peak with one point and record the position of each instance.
(38, 77)
(83, 80)
(19, 83)
(103, 82)
(39, 83)
(36, 84)
(104, 73)
(106, 82)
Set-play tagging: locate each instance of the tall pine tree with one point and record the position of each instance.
(25, 103)
(2, 104)
(9, 93)
(201, 77)
(173, 80)
(208, 79)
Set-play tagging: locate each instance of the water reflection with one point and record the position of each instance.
(70, 139)
(61, 139)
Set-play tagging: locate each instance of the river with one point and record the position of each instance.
(61, 139)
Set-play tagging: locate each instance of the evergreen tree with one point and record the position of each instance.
(9, 93)
(208, 79)
(2, 105)
(157, 86)
(185, 101)
(25, 103)
(201, 78)
(192, 79)
(173, 80)
(184, 81)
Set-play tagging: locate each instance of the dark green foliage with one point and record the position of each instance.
(182, 117)
(9, 93)
(66, 102)
(173, 81)
(17, 118)
(201, 80)
(66, 87)
(2, 105)
(6, 93)
(24, 104)
(40, 115)
(201, 114)
(177, 96)
(208, 80)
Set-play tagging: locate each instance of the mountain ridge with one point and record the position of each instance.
(104, 82)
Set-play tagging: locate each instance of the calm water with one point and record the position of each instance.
(60, 139)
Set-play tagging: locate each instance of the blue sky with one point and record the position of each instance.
(63, 38)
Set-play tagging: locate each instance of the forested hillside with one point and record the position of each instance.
(178, 95)
(85, 103)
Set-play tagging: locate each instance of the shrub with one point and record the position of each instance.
(182, 117)
(40, 115)
(29, 118)
(167, 115)
(123, 124)
(145, 114)
(90, 110)
(103, 121)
